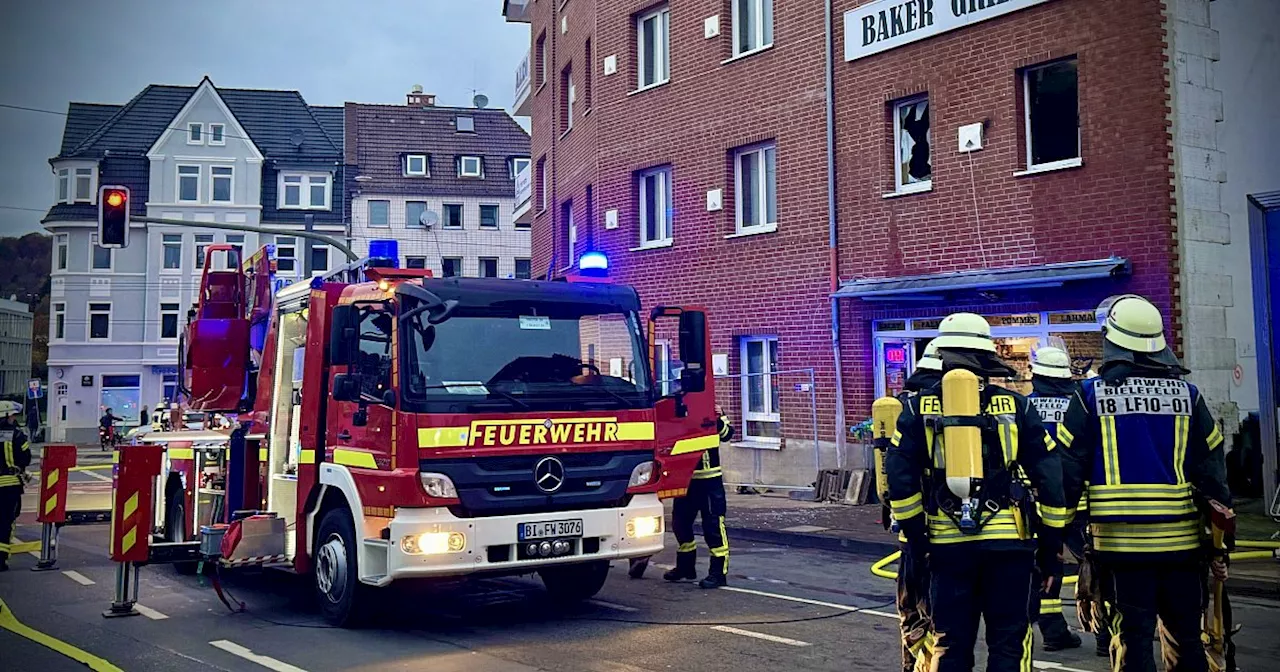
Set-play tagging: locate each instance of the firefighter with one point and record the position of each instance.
(1144, 440)
(1052, 388)
(15, 456)
(976, 530)
(705, 496)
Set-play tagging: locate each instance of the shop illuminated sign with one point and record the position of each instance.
(1075, 317)
(888, 24)
(1030, 319)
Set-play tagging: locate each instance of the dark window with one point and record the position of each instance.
(488, 268)
(452, 216)
(541, 65)
(168, 320)
(524, 269)
(914, 164)
(568, 96)
(375, 353)
(1053, 119)
(451, 267)
(488, 216)
(319, 259)
(99, 320)
(541, 183)
(589, 65)
(415, 262)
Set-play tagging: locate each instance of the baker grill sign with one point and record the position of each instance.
(888, 24)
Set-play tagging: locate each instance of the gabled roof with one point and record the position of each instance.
(206, 90)
(83, 119)
(380, 135)
(330, 119)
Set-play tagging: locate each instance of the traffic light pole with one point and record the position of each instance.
(336, 243)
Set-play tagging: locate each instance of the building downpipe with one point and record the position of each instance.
(833, 257)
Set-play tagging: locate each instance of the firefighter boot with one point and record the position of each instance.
(1102, 645)
(684, 569)
(715, 577)
(1053, 627)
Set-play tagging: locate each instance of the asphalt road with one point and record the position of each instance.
(785, 609)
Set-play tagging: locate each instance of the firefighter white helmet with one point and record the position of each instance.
(1133, 323)
(964, 330)
(1050, 362)
(929, 361)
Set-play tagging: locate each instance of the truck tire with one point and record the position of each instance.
(575, 583)
(336, 577)
(175, 525)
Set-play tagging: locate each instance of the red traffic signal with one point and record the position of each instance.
(113, 216)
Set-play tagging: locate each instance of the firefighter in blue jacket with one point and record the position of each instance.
(706, 497)
(977, 530)
(1146, 444)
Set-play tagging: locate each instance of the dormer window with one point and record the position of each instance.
(195, 134)
(415, 165)
(217, 134)
(470, 166)
(466, 124)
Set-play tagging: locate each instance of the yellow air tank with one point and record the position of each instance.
(884, 422)
(962, 443)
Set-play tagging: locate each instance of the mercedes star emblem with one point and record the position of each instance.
(548, 474)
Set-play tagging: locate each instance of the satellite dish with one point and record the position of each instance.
(295, 138)
(428, 218)
(480, 100)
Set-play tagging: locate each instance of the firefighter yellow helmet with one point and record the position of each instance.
(930, 361)
(1050, 362)
(964, 330)
(1133, 323)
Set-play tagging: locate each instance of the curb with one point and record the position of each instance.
(1254, 588)
(860, 547)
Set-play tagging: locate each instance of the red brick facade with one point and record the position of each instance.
(778, 284)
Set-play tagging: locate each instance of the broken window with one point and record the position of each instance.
(1053, 113)
(912, 140)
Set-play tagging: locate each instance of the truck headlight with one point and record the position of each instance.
(644, 526)
(433, 543)
(641, 475)
(438, 486)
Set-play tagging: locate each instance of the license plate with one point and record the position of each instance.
(549, 529)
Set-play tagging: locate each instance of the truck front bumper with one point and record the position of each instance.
(493, 544)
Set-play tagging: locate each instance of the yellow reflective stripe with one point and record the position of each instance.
(695, 444)
(1049, 443)
(129, 539)
(635, 431)
(50, 504)
(1143, 491)
(1050, 606)
(1054, 516)
(262, 454)
(688, 547)
(1064, 435)
(8, 455)
(1157, 544)
(442, 437)
(1110, 455)
(51, 479)
(17, 547)
(1215, 438)
(8, 481)
(1024, 665)
(907, 508)
(897, 438)
(1001, 526)
(130, 505)
(708, 473)
(1141, 509)
(182, 453)
(306, 456)
(1181, 430)
(354, 458)
(1151, 530)
(1008, 439)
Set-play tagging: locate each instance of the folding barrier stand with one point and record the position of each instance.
(55, 466)
(132, 499)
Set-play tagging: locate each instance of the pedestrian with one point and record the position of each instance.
(706, 497)
(144, 418)
(1144, 440)
(1052, 388)
(976, 531)
(33, 419)
(15, 456)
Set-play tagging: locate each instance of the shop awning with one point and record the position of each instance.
(1026, 277)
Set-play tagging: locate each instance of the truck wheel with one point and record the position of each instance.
(337, 582)
(575, 583)
(175, 525)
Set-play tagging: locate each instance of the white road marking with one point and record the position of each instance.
(1044, 665)
(759, 635)
(78, 577)
(265, 661)
(149, 612)
(816, 603)
(611, 605)
(94, 474)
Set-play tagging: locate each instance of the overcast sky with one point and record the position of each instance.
(332, 51)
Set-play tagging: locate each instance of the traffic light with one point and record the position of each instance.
(113, 216)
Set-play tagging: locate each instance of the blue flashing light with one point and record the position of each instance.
(317, 282)
(593, 261)
(385, 249)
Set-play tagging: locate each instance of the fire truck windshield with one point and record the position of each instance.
(525, 356)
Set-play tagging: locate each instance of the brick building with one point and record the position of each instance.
(1016, 159)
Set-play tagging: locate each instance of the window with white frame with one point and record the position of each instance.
(752, 25)
(169, 313)
(413, 211)
(465, 124)
(912, 138)
(236, 241)
(60, 252)
(652, 47)
(319, 259)
(655, 206)
(488, 267)
(188, 184)
(488, 216)
(761, 420)
(195, 133)
(221, 176)
(541, 186)
(663, 366)
(100, 257)
(568, 97)
(305, 191)
(470, 166)
(64, 185)
(286, 251)
(451, 267)
(217, 134)
(122, 393)
(99, 321)
(453, 215)
(203, 241)
(379, 213)
(518, 164)
(756, 188)
(415, 262)
(84, 185)
(415, 165)
(58, 325)
(1051, 100)
(524, 269)
(171, 244)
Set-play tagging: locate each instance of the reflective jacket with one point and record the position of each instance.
(1142, 444)
(1016, 448)
(709, 467)
(15, 455)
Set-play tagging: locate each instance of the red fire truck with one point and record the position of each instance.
(404, 426)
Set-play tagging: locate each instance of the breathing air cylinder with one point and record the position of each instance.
(884, 421)
(962, 441)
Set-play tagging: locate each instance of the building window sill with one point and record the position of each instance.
(566, 132)
(1065, 164)
(918, 188)
(758, 444)
(650, 87)
(745, 54)
(653, 245)
(541, 86)
(753, 231)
